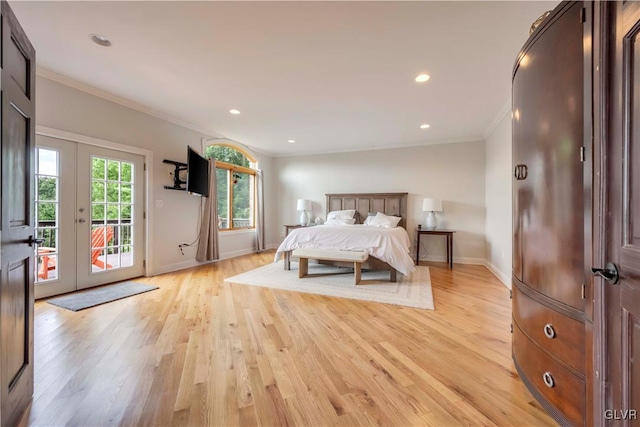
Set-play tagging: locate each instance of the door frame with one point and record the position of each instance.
(591, 210)
(603, 43)
(147, 173)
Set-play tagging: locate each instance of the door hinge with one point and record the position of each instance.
(144, 263)
(582, 153)
(144, 215)
(511, 327)
(144, 166)
(583, 290)
(583, 15)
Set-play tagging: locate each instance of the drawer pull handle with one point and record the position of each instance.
(549, 331)
(548, 379)
(520, 172)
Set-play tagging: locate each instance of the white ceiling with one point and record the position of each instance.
(334, 76)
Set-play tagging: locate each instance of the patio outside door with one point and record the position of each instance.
(89, 211)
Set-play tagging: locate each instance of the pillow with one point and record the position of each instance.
(384, 221)
(340, 221)
(348, 213)
(369, 219)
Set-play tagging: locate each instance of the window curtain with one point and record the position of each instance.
(260, 243)
(208, 247)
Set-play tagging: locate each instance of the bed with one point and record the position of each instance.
(388, 249)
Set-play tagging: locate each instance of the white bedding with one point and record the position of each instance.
(390, 245)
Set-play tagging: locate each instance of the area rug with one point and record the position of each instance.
(85, 299)
(413, 291)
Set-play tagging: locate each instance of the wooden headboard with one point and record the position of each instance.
(364, 203)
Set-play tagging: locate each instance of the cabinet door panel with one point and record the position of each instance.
(548, 136)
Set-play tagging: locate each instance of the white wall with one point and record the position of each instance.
(467, 176)
(454, 173)
(65, 108)
(498, 200)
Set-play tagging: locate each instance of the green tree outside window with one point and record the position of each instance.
(234, 182)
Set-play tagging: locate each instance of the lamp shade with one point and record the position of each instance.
(432, 205)
(304, 205)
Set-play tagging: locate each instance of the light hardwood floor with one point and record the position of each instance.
(201, 352)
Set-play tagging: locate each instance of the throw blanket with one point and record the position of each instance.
(390, 245)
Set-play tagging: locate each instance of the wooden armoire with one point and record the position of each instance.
(576, 213)
(548, 214)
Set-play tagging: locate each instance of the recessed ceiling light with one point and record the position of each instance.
(423, 78)
(234, 111)
(291, 141)
(101, 40)
(425, 126)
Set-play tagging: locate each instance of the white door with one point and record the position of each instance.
(109, 227)
(55, 216)
(89, 210)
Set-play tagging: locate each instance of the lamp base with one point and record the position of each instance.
(304, 218)
(432, 221)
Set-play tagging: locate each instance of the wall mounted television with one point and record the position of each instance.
(197, 173)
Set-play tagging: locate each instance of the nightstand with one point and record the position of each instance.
(449, 236)
(289, 227)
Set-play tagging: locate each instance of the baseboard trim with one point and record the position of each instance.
(456, 260)
(175, 267)
(234, 254)
(193, 263)
(506, 280)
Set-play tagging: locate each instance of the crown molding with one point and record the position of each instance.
(208, 134)
(92, 90)
(384, 147)
(506, 109)
(108, 96)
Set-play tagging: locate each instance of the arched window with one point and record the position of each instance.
(236, 186)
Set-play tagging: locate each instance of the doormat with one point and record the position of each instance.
(104, 294)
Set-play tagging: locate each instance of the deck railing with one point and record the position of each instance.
(223, 223)
(46, 233)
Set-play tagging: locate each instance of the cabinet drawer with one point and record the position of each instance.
(562, 389)
(560, 335)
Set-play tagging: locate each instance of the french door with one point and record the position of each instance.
(88, 214)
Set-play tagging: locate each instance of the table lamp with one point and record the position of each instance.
(432, 206)
(304, 206)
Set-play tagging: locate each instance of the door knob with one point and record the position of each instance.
(609, 273)
(31, 241)
(82, 220)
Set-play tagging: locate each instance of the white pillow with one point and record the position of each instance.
(348, 213)
(340, 221)
(369, 220)
(385, 221)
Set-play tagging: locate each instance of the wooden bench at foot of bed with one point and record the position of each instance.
(304, 254)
